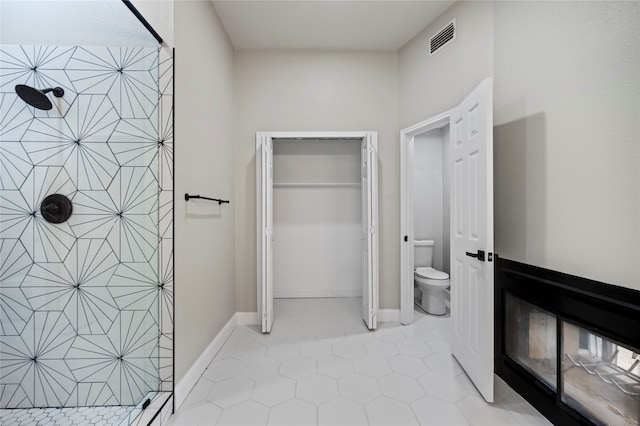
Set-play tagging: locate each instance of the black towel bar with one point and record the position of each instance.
(187, 197)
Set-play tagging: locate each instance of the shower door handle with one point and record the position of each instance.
(479, 255)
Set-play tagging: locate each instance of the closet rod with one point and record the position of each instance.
(187, 197)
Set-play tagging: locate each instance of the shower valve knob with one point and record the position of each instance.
(56, 208)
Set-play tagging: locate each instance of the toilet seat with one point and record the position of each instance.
(431, 274)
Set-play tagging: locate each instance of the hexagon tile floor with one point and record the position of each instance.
(320, 366)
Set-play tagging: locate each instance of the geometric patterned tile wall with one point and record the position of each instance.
(165, 213)
(86, 306)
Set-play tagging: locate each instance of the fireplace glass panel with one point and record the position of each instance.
(601, 378)
(530, 339)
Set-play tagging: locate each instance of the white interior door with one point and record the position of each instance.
(369, 175)
(264, 190)
(472, 236)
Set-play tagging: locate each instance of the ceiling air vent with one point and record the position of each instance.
(442, 38)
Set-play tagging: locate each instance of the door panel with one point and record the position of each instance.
(373, 235)
(269, 243)
(472, 230)
(459, 207)
(369, 231)
(264, 188)
(366, 272)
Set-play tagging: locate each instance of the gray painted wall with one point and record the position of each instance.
(566, 116)
(204, 164)
(567, 137)
(428, 194)
(73, 23)
(431, 85)
(316, 91)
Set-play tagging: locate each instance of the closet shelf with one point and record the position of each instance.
(315, 185)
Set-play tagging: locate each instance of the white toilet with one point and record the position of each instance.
(431, 282)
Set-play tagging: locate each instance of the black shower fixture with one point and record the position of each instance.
(38, 98)
(56, 208)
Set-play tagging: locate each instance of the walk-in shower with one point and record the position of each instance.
(85, 243)
(86, 232)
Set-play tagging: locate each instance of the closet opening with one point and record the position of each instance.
(317, 219)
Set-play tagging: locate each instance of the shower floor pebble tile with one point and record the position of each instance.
(108, 416)
(115, 415)
(323, 367)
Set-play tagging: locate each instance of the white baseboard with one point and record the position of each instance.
(191, 377)
(248, 318)
(389, 315)
(295, 293)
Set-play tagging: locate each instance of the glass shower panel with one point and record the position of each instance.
(79, 300)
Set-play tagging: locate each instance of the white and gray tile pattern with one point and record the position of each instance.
(320, 366)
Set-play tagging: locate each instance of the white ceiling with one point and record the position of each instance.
(327, 24)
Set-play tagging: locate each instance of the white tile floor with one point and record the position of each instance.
(320, 366)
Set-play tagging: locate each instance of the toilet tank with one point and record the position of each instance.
(422, 253)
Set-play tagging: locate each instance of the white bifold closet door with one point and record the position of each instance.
(369, 174)
(264, 192)
(264, 218)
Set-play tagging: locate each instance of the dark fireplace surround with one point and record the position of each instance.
(594, 308)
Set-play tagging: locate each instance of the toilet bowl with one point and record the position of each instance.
(432, 284)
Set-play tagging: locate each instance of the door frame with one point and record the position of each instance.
(267, 138)
(407, 142)
(472, 347)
